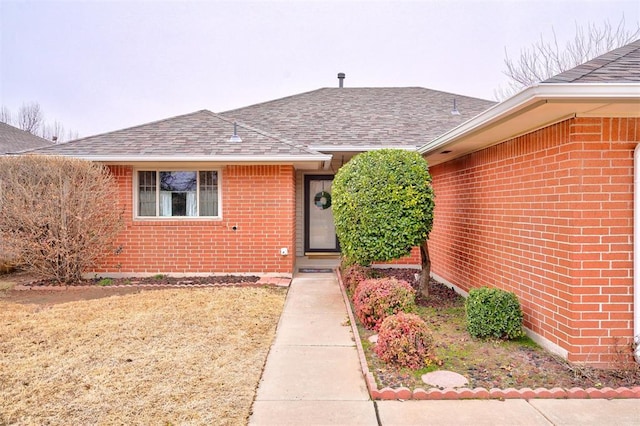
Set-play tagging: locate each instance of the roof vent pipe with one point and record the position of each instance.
(341, 77)
(235, 137)
(455, 111)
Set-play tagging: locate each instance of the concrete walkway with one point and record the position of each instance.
(313, 377)
(313, 374)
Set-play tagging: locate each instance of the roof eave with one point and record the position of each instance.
(204, 158)
(359, 148)
(564, 97)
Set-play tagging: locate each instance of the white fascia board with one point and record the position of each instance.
(358, 148)
(531, 98)
(207, 158)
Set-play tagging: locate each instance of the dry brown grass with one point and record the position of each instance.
(177, 356)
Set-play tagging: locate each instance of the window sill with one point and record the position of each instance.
(176, 221)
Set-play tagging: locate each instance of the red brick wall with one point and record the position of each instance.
(549, 216)
(259, 200)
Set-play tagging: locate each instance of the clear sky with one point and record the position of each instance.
(98, 66)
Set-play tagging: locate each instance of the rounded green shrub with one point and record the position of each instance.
(405, 339)
(382, 205)
(492, 312)
(377, 298)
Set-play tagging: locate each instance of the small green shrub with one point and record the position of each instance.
(354, 274)
(405, 339)
(377, 298)
(105, 282)
(492, 312)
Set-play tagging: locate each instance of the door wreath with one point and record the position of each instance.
(322, 200)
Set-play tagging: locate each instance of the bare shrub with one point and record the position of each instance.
(58, 215)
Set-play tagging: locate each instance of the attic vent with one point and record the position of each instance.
(235, 137)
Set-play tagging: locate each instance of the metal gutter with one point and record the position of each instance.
(529, 99)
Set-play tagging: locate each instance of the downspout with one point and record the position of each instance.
(636, 251)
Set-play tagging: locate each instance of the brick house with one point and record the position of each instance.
(536, 196)
(200, 197)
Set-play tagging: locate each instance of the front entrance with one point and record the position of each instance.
(319, 228)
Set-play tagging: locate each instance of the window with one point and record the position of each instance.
(178, 193)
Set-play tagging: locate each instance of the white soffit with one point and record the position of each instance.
(534, 108)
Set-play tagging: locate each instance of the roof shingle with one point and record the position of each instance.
(361, 117)
(198, 134)
(621, 65)
(13, 139)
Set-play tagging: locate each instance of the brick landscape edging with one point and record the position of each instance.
(403, 393)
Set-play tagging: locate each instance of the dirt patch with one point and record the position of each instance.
(169, 356)
(490, 363)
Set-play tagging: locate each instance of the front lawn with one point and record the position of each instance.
(175, 356)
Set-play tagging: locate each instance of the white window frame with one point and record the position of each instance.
(157, 170)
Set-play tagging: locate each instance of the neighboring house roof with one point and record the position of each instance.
(13, 139)
(339, 119)
(610, 89)
(619, 66)
(199, 136)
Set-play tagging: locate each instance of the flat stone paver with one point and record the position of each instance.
(445, 379)
(511, 412)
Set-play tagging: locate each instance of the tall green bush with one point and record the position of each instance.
(492, 312)
(383, 206)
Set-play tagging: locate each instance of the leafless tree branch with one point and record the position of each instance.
(546, 58)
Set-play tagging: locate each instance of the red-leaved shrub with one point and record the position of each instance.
(377, 298)
(353, 275)
(405, 339)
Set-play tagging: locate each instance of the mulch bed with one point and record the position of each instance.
(493, 363)
(159, 280)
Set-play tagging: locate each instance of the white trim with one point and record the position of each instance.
(532, 98)
(546, 343)
(135, 187)
(359, 148)
(205, 158)
(449, 284)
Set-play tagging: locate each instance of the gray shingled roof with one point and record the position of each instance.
(13, 139)
(621, 65)
(198, 134)
(361, 117)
